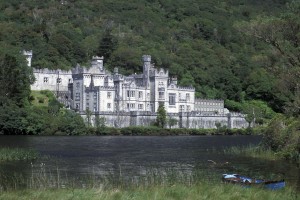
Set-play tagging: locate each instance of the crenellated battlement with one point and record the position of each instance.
(198, 100)
(52, 71)
(146, 58)
(107, 87)
(186, 88)
(27, 53)
(97, 58)
(159, 72)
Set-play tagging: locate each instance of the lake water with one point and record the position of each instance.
(132, 156)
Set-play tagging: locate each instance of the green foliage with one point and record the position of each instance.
(15, 79)
(283, 137)
(197, 41)
(36, 120)
(254, 109)
(161, 118)
(158, 186)
(172, 121)
(101, 129)
(281, 34)
(13, 154)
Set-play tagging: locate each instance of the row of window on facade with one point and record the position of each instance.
(95, 108)
(182, 108)
(172, 98)
(77, 96)
(58, 80)
(131, 94)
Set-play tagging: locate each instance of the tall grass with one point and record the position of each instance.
(174, 192)
(43, 178)
(252, 151)
(155, 183)
(13, 154)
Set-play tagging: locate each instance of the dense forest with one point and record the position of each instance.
(222, 48)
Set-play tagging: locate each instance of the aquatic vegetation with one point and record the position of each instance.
(252, 151)
(12, 154)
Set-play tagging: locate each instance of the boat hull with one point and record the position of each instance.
(251, 182)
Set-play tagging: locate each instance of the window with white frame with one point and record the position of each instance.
(140, 94)
(188, 108)
(161, 95)
(181, 108)
(188, 96)
(172, 99)
(141, 106)
(108, 105)
(130, 93)
(46, 79)
(108, 95)
(58, 80)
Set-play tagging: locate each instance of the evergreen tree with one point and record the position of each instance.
(161, 116)
(15, 79)
(107, 46)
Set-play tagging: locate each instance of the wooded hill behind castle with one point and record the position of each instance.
(237, 50)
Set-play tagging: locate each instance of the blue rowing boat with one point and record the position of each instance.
(249, 182)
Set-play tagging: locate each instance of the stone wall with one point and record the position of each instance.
(184, 120)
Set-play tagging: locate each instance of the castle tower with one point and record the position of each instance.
(28, 55)
(118, 82)
(97, 62)
(146, 68)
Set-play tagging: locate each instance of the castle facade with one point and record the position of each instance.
(134, 99)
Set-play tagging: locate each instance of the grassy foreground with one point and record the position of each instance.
(176, 192)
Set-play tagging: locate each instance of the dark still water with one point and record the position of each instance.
(133, 156)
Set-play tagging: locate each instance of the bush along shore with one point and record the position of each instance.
(281, 140)
(154, 130)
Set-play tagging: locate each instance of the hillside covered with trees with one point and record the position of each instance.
(207, 44)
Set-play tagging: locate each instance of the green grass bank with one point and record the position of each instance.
(174, 192)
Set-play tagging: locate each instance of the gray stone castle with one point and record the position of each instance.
(132, 100)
